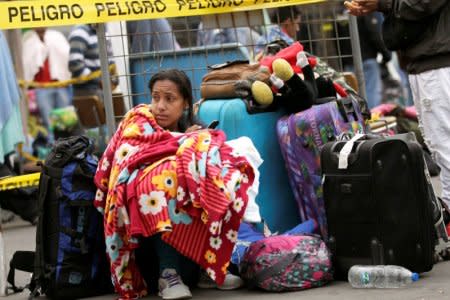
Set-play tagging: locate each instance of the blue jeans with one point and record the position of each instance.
(169, 258)
(49, 99)
(373, 82)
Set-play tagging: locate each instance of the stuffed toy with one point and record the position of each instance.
(295, 94)
(291, 91)
(262, 93)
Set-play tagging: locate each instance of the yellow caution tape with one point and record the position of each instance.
(28, 14)
(15, 182)
(57, 84)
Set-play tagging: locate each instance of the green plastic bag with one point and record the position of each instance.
(63, 119)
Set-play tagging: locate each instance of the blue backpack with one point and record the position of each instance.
(70, 260)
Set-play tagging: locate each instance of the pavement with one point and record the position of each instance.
(435, 284)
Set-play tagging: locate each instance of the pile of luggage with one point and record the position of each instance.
(369, 194)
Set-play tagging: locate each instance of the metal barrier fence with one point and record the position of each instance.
(325, 31)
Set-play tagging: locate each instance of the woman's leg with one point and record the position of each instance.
(168, 257)
(170, 284)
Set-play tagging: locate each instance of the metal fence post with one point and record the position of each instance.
(357, 58)
(106, 83)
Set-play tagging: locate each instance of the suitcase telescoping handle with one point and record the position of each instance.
(345, 106)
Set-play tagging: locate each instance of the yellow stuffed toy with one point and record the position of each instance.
(262, 93)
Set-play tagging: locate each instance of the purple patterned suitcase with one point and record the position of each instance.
(301, 138)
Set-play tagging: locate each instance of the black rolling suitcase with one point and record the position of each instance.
(379, 203)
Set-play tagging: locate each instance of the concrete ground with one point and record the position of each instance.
(432, 285)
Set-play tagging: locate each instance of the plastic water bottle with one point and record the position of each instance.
(388, 276)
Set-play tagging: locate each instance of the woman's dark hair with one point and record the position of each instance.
(184, 87)
(281, 14)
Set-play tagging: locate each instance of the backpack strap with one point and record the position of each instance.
(52, 171)
(39, 263)
(275, 269)
(23, 261)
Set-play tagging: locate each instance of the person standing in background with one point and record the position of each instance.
(45, 59)
(151, 35)
(369, 27)
(285, 26)
(427, 61)
(246, 36)
(85, 58)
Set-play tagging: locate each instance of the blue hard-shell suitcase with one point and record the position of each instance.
(277, 204)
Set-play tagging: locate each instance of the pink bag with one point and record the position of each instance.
(287, 263)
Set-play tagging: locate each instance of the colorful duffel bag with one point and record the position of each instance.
(285, 263)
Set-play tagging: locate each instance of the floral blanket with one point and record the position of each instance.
(191, 188)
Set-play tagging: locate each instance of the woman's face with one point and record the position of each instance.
(167, 104)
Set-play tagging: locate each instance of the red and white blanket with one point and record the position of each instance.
(191, 188)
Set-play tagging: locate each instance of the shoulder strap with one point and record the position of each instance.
(23, 261)
(39, 263)
(275, 269)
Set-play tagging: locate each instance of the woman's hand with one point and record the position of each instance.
(193, 128)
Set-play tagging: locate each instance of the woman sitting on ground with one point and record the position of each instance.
(164, 177)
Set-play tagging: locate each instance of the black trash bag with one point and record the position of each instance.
(21, 201)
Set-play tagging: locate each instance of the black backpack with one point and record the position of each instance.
(70, 259)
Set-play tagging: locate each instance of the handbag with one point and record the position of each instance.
(286, 263)
(232, 80)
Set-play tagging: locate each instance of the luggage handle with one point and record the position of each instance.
(345, 106)
(347, 150)
(227, 64)
(351, 155)
(344, 157)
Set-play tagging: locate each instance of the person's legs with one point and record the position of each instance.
(170, 284)
(373, 82)
(407, 94)
(62, 97)
(45, 104)
(431, 94)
